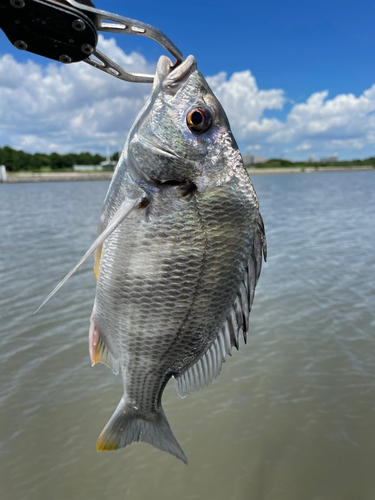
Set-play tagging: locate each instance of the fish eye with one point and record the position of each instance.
(199, 120)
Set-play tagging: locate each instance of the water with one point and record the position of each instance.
(291, 417)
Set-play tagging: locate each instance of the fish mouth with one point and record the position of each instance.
(172, 79)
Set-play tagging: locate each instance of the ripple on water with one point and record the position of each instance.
(291, 415)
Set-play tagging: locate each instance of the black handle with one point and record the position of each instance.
(49, 28)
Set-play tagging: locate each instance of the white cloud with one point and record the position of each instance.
(344, 122)
(303, 147)
(76, 107)
(244, 102)
(66, 108)
(254, 147)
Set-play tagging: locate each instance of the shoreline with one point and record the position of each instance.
(103, 176)
(307, 170)
(58, 177)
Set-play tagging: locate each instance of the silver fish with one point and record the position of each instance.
(178, 256)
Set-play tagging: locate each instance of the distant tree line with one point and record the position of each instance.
(16, 160)
(277, 162)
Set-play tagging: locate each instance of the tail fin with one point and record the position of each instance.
(128, 425)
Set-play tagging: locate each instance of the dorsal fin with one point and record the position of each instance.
(208, 366)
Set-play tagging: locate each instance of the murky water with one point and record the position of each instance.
(291, 417)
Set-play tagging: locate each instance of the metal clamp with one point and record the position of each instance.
(114, 23)
(66, 30)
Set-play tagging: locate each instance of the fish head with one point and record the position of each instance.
(182, 133)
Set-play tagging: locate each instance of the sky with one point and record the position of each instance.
(295, 78)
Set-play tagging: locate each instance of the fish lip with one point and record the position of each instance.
(172, 81)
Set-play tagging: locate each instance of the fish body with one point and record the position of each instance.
(176, 278)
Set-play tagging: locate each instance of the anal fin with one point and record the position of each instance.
(99, 352)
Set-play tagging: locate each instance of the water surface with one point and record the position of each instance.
(292, 415)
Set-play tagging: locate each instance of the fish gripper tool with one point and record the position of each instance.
(67, 31)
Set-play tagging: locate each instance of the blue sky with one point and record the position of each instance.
(298, 81)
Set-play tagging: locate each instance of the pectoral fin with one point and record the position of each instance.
(98, 255)
(98, 251)
(124, 210)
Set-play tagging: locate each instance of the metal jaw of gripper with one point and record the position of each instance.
(67, 31)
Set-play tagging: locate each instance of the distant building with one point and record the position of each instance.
(312, 159)
(108, 164)
(85, 168)
(103, 165)
(249, 159)
(258, 159)
(3, 173)
(330, 159)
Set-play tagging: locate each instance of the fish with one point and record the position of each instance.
(177, 257)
